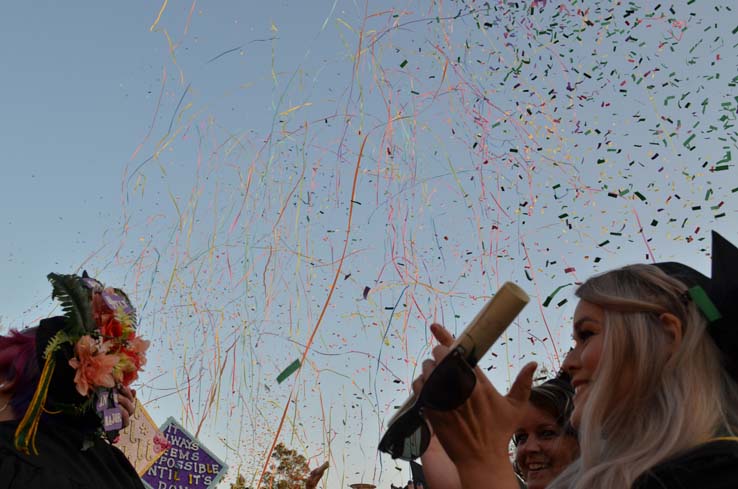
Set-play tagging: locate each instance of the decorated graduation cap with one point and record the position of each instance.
(716, 297)
(85, 356)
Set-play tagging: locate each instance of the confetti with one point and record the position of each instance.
(291, 369)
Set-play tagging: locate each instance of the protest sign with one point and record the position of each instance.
(186, 464)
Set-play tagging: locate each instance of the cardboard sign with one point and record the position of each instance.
(141, 441)
(186, 464)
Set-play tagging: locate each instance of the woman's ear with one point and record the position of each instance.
(672, 326)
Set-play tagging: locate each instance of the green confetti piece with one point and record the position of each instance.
(640, 196)
(403, 64)
(689, 140)
(291, 369)
(735, 30)
(734, 190)
(607, 241)
(700, 297)
(552, 294)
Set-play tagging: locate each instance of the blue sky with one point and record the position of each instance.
(207, 166)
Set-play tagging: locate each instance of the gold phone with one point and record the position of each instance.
(478, 337)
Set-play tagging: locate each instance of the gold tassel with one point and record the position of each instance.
(25, 434)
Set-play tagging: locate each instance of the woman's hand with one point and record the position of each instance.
(476, 435)
(314, 477)
(439, 471)
(127, 402)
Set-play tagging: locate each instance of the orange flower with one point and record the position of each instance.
(93, 364)
(132, 358)
(110, 322)
(111, 328)
(139, 346)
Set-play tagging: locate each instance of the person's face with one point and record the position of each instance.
(582, 361)
(543, 450)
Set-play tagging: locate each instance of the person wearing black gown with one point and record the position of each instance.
(69, 447)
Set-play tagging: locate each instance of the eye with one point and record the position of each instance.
(519, 438)
(582, 335)
(548, 434)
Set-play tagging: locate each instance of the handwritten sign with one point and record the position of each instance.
(186, 464)
(141, 441)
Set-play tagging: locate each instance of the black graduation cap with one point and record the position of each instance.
(62, 394)
(717, 296)
(62, 388)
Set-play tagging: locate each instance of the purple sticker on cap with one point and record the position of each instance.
(92, 284)
(112, 419)
(115, 300)
(102, 402)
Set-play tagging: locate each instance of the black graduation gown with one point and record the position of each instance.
(713, 465)
(61, 464)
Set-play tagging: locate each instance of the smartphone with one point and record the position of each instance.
(489, 323)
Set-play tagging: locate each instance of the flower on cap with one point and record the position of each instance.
(94, 365)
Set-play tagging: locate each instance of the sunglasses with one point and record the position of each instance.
(448, 386)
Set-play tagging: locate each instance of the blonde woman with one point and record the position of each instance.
(654, 373)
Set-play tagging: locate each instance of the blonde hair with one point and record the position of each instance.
(673, 401)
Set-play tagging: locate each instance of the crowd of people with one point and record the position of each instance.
(647, 397)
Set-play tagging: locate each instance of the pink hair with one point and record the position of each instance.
(19, 370)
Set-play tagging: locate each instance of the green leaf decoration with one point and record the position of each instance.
(75, 301)
(55, 342)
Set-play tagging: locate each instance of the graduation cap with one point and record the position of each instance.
(716, 297)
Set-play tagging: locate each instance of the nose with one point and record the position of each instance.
(531, 445)
(571, 362)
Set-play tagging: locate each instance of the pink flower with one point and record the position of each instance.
(93, 364)
(139, 346)
(161, 443)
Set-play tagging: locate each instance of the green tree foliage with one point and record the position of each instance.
(287, 471)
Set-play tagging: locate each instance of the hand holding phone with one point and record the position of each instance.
(453, 379)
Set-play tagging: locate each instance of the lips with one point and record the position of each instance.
(537, 464)
(579, 386)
